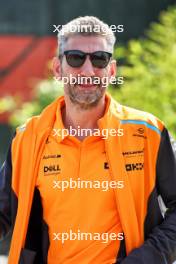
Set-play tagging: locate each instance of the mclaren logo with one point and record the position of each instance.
(140, 130)
(133, 153)
(134, 166)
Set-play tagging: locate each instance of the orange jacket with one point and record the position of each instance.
(132, 158)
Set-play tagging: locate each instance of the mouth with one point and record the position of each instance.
(87, 86)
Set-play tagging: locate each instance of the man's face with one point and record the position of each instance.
(86, 95)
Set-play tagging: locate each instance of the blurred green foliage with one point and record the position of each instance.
(45, 92)
(7, 104)
(149, 72)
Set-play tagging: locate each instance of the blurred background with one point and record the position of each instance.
(145, 53)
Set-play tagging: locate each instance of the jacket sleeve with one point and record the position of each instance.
(5, 196)
(160, 246)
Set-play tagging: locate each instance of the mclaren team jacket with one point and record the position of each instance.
(143, 158)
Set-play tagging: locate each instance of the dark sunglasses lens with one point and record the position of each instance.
(100, 59)
(75, 59)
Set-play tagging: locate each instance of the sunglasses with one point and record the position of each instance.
(76, 58)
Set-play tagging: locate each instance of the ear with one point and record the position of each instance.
(113, 68)
(57, 68)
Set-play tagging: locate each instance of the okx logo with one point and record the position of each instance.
(134, 166)
(51, 169)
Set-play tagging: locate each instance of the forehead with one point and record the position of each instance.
(86, 43)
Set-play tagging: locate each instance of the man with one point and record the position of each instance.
(89, 197)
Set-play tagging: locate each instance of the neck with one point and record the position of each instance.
(73, 116)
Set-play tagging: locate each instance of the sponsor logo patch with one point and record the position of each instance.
(134, 166)
(51, 169)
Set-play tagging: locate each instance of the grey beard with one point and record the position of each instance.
(89, 101)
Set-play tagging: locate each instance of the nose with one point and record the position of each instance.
(87, 69)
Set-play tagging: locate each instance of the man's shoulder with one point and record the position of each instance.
(30, 122)
(129, 112)
(42, 121)
(129, 115)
